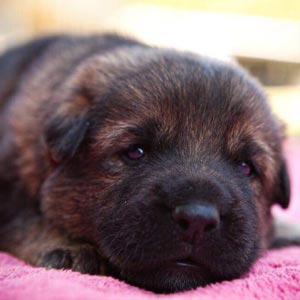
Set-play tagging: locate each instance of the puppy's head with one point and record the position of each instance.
(168, 163)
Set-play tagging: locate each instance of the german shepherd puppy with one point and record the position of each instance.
(154, 166)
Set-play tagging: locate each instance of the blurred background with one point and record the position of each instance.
(261, 35)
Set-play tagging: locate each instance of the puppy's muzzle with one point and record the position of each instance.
(196, 206)
(196, 220)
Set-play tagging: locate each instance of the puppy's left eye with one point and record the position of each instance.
(246, 168)
(134, 152)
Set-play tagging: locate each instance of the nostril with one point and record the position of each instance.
(210, 227)
(181, 219)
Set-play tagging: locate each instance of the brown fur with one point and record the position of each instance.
(72, 200)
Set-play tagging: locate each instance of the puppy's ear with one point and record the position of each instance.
(65, 131)
(281, 194)
(67, 127)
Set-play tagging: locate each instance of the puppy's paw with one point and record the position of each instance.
(82, 258)
(56, 259)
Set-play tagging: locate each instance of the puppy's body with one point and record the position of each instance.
(110, 148)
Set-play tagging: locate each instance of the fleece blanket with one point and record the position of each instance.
(274, 276)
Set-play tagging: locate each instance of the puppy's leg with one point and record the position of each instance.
(285, 234)
(32, 239)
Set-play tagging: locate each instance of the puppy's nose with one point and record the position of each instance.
(196, 220)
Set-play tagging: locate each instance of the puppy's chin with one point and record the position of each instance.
(168, 278)
(165, 280)
(165, 276)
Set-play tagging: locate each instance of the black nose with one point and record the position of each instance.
(196, 220)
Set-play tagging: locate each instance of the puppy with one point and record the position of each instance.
(154, 166)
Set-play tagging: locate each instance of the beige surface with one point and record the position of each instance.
(285, 102)
(21, 19)
(289, 9)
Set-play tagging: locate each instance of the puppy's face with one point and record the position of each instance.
(169, 164)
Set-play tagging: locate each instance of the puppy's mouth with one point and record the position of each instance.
(186, 263)
(180, 264)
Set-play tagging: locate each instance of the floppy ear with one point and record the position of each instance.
(66, 128)
(281, 195)
(64, 135)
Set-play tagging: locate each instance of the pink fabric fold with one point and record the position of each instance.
(275, 276)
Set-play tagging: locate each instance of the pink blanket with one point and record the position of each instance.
(274, 276)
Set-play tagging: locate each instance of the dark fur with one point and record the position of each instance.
(71, 106)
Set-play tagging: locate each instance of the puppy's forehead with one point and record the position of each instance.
(187, 97)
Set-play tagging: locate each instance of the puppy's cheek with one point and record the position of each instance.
(58, 208)
(265, 222)
(77, 196)
(63, 207)
(133, 231)
(51, 203)
(237, 246)
(264, 217)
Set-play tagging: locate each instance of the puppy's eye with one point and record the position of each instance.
(246, 168)
(135, 152)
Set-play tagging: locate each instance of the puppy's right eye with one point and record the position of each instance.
(134, 152)
(246, 168)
